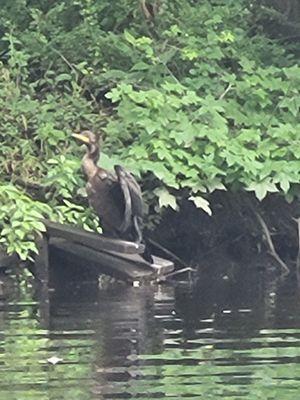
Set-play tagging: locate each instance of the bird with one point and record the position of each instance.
(115, 197)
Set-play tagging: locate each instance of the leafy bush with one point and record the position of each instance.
(20, 220)
(192, 97)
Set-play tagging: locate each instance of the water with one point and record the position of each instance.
(229, 337)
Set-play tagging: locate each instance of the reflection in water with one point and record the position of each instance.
(236, 338)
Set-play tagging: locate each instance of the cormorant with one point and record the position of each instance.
(116, 198)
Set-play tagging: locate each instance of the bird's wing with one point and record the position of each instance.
(134, 190)
(121, 175)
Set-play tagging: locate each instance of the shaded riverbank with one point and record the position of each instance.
(233, 230)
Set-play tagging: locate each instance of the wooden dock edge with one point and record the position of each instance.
(93, 240)
(113, 257)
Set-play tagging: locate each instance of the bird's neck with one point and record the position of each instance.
(89, 162)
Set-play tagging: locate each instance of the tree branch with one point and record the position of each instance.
(145, 10)
(297, 220)
(270, 244)
(221, 97)
(167, 252)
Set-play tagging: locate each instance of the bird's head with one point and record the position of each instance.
(87, 137)
(91, 140)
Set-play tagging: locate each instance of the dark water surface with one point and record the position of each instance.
(234, 337)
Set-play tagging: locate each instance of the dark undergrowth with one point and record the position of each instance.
(234, 230)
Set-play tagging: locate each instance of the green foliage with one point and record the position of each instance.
(63, 176)
(191, 101)
(20, 221)
(36, 149)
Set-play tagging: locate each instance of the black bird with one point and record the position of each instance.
(116, 198)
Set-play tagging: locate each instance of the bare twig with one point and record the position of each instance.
(270, 244)
(150, 10)
(167, 252)
(145, 10)
(71, 66)
(168, 69)
(26, 184)
(292, 37)
(229, 87)
(189, 270)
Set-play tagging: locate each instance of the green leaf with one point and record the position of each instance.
(166, 199)
(108, 162)
(39, 226)
(63, 77)
(285, 184)
(292, 73)
(140, 66)
(128, 36)
(261, 189)
(215, 184)
(202, 203)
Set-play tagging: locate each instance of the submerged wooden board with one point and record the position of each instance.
(104, 262)
(42, 260)
(90, 239)
(160, 265)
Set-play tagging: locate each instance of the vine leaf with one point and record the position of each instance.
(261, 189)
(166, 199)
(202, 203)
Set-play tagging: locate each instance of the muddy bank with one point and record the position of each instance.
(234, 230)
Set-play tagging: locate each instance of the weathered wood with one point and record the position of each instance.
(131, 269)
(97, 253)
(160, 265)
(168, 253)
(42, 294)
(42, 260)
(90, 239)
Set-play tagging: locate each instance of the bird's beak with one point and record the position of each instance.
(81, 137)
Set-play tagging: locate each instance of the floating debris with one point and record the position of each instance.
(54, 360)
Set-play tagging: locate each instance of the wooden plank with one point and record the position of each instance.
(42, 260)
(104, 262)
(42, 293)
(90, 239)
(160, 265)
